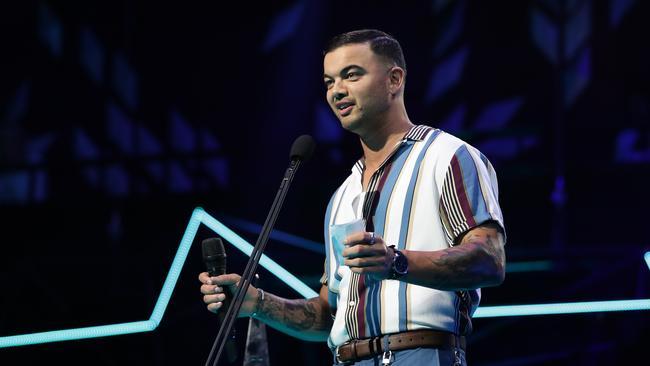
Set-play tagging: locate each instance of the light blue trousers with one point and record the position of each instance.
(418, 356)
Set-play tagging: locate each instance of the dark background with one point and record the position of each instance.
(117, 119)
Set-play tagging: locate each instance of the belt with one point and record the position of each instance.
(426, 338)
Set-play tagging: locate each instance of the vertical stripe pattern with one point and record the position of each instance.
(356, 311)
(403, 238)
(463, 200)
(430, 189)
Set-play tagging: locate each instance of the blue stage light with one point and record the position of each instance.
(562, 308)
(199, 216)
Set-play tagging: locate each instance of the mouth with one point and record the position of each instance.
(344, 108)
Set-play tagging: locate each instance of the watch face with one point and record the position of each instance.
(401, 263)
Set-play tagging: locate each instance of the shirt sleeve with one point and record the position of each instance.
(469, 194)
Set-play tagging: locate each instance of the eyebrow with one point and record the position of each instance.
(345, 69)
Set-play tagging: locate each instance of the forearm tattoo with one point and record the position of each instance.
(299, 315)
(479, 256)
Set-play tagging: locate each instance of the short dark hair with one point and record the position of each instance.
(381, 43)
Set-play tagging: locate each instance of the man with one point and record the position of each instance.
(402, 290)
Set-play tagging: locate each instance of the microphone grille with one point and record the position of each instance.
(302, 148)
(212, 247)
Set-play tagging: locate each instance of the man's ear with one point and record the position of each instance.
(396, 77)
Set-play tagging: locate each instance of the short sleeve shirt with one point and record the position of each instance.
(433, 188)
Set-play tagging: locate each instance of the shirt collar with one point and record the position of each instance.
(416, 133)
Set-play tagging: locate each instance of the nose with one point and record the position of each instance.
(337, 90)
(338, 95)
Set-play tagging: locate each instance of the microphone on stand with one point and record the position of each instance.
(214, 257)
(301, 151)
(302, 148)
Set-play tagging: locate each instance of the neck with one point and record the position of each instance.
(380, 142)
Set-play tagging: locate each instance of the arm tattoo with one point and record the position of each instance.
(294, 315)
(477, 260)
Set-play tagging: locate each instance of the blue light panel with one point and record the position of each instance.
(199, 216)
(562, 308)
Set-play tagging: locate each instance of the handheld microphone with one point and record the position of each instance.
(214, 257)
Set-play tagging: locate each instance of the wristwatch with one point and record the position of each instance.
(400, 265)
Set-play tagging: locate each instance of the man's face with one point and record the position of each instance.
(357, 85)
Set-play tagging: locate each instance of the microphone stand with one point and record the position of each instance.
(249, 272)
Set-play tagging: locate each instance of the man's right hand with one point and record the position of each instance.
(213, 296)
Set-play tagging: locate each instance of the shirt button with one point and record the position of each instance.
(351, 303)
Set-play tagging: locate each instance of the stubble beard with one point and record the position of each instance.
(352, 123)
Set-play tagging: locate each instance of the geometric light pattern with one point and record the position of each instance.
(199, 216)
(562, 308)
(530, 266)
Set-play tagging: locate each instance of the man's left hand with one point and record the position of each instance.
(367, 252)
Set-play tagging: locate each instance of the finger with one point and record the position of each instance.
(225, 280)
(211, 289)
(364, 262)
(356, 238)
(363, 238)
(204, 277)
(215, 307)
(373, 269)
(212, 299)
(358, 254)
(357, 251)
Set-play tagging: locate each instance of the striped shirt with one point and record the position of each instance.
(431, 189)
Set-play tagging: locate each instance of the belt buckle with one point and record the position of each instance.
(338, 360)
(387, 357)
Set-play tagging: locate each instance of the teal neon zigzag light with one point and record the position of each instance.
(199, 216)
(562, 308)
